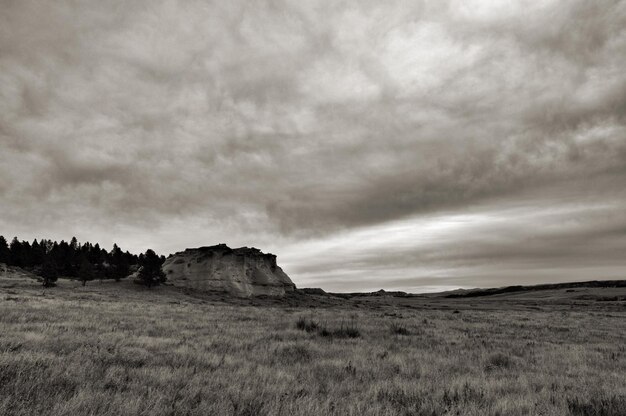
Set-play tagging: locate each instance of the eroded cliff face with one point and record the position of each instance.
(242, 272)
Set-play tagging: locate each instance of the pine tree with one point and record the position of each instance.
(54, 251)
(16, 252)
(150, 273)
(64, 260)
(119, 263)
(37, 253)
(86, 271)
(132, 259)
(95, 255)
(46, 245)
(74, 246)
(49, 271)
(26, 255)
(99, 272)
(5, 253)
(73, 258)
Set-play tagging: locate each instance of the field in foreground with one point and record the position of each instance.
(119, 349)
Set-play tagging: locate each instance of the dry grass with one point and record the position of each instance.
(111, 349)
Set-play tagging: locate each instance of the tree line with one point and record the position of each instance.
(51, 260)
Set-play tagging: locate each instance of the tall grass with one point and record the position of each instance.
(106, 350)
(346, 329)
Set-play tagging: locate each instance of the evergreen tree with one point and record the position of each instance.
(86, 271)
(64, 260)
(99, 272)
(16, 252)
(73, 258)
(119, 264)
(150, 273)
(54, 251)
(95, 254)
(26, 255)
(131, 258)
(74, 246)
(122, 269)
(5, 253)
(87, 262)
(37, 253)
(46, 245)
(49, 271)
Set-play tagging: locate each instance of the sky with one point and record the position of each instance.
(403, 145)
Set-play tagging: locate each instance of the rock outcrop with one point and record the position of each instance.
(242, 272)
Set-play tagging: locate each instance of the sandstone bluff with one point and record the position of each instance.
(241, 271)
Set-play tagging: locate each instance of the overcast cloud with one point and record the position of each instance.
(400, 145)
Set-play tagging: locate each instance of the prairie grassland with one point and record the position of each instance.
(116, 349)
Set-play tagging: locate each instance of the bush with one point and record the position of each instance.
(398, 329)
(49, 272)
(150, 273)
(349, 330)
(306, 325)
(345, 331)
(324, 332)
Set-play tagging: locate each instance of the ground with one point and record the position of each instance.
(121, 349)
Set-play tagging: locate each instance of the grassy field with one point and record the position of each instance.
(120, 349)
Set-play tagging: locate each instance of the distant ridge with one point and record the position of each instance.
(471, 293)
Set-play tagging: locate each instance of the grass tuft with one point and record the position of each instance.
(398, 329)
(498, 361)
(597, 406)
(307, 325)
(297, 353)
(346, 330)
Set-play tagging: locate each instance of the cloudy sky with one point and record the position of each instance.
(411, 145)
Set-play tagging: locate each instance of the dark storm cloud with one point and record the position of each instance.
(171, 124)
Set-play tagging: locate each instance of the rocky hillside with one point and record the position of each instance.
(241, 271)
(16, 272)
